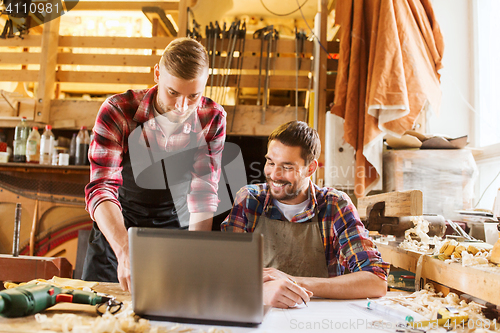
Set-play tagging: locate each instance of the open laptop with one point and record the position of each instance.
(197, 276)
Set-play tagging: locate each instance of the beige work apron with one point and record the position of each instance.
(294, 248)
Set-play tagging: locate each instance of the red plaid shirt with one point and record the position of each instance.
(120, 114)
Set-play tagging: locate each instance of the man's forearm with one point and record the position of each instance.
(109, 219)
(350, 286)
(201, 221)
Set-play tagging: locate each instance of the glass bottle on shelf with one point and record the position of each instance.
(20, 138)
(33, 146)
(82, 147)
(46, 146)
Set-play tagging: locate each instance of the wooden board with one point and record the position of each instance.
(248, 119)
(26, 268)
(397, 204)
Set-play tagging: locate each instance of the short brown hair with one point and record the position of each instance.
(298, 134)
(185, 58)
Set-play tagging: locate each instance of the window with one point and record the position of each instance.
(488, 75)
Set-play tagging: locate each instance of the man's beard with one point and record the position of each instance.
(166, 111)
(289, 191)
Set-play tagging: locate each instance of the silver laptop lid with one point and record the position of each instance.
(201, 275)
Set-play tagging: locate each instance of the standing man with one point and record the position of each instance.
(311, 234)
(155, 160)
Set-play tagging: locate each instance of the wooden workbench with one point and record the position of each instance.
(481, 283)
(331, 315)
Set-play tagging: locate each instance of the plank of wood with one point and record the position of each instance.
(28, 41)
(278, 82)
(320, 84)
(26, 268)
(47, 73)
(107, 59)
(23, 58)
(83, 113)
(154, 43)
(105, 77)
(247, 121)
(397, 204)
(22, 75)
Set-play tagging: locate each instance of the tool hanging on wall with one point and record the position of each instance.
(235, 29)
(309, 86)
(194, 33)
(261, 34)
(271, 38)
(300, 38)
(208, 39)
(224, 36)
(241, 53)
(215, 37)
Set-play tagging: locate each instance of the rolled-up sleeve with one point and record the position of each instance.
(356, 250)
(105, 156)
(207, 164)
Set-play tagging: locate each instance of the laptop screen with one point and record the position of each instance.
(199, 275)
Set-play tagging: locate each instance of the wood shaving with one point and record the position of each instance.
(124, 322)
(420, 229)
(427, 303)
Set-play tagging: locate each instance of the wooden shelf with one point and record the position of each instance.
(484, 284)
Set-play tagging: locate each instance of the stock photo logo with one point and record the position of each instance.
(157, 169)
(25, 14)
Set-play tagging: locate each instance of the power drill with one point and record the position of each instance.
(33, 298)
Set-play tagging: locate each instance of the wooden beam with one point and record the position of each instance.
(320, 84)
(22, 58)
(105, 77)
(106, 59)
(47, 73)
(158, 18)
(154, 43)
(397, 204)
(28, 41)
(22, 75)
(276, 82)
(249, 63)
(124, 5)
(183, 18)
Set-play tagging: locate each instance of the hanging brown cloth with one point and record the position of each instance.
(390, 52)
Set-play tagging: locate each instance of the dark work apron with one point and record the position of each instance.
(294, 248)
(145, 207)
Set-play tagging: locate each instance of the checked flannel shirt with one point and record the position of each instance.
(120, 114)
(345, 239)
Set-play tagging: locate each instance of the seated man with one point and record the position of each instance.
(311, 234)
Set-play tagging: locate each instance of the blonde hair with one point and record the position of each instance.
(185, 58)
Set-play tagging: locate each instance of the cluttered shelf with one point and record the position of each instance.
(481, 281)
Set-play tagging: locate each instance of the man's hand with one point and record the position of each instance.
(281, 290)
(283, 293)
(123, 269)
(109, 218)
(271, 273)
